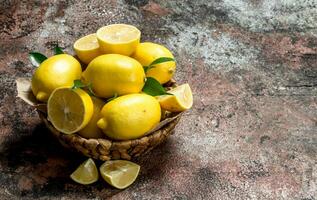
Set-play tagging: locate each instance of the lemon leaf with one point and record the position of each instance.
(161, 60)
(58, 50)
(146, 68)
(112, 98)
(153, 87)
(79, 84)
(36, 58)
(157, 61)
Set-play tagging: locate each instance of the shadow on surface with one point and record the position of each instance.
(36, 165)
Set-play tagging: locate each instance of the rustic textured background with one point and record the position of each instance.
(252, 65)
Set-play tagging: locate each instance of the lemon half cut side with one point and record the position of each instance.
(118, 38)
(69, 110)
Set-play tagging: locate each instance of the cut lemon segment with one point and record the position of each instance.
(87, 48)
(118, 38)
(182, 99)
(119, 173)
(86, 173)
(69, 110)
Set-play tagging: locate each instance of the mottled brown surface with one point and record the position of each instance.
(251, 134)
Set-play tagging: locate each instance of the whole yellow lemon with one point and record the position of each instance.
(147, 52)
(129, 116)
(56, 71)
(91, 130)
(112, 74)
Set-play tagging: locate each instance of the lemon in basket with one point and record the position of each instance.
(87, 48)
(91, 130)
(69, 110)
(54, 72)
(118, 38)
(129, 116)
(147, 52)
(86, 173)
(182, 99)
(114, 74)
(119, 173)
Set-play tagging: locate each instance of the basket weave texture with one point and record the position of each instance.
(106, 149)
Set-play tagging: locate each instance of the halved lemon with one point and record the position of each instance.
(119, 173)
(69, 110)
(118, 38)
(182, 99)
(87, 48)
(86, 173)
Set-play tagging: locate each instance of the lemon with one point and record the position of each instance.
(129, 116)
(87, 48)
(114, 74)
(69, 110)
(56, 71)
(182, 99)
(86, 173)
(118, 38)
(147, 52)
(91, 130)
(119, 173)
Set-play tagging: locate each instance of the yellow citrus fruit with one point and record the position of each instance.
(147, 52)
(119, 173)
(91, 130)
(56, 71)
(118, 39)
(86, 173)
(69, 110)
(114, 74)
(87, 48)
(129, 116)
(182, 99)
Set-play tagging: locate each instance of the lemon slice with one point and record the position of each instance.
(118, 38)
(86, 173)
(182, 99)
(69, 110)
(87, 48)
(119, 173)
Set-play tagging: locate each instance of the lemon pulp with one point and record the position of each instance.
(182, 99)
(119, 173)
(87, 48)
(69, 110)
(118, 38)
(86, 173)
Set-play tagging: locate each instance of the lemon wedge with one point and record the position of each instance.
(118, 38)
(181, 100)
(119, 173)
(69, 110)
(86, 173)
(87, 48)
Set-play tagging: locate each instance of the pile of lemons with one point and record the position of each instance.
(110, 93)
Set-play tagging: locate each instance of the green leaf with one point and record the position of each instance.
(112, 98)
(161, 60)
(58, 50)
(146, 68)
(36, 58)
(153, 87)
(79, 84)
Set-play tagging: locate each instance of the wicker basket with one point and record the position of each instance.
(103, 148)
(106, 149)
